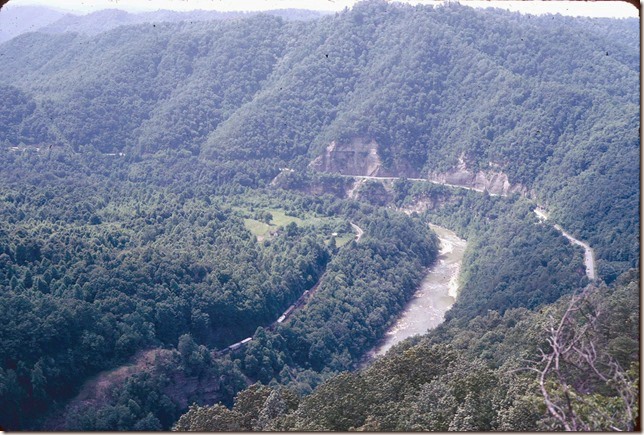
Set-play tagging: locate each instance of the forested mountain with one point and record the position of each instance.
(443, 382)
(95, 268)
(15, 20)
(21, 19)
(170, 187)
(550, 101)
(101, 21)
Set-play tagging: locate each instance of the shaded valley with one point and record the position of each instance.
(208, 224)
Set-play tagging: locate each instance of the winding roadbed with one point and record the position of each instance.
(96, 387)
(372, 177)
(301, 301)
(589, 255)
(439, 289)
(426, 310)
(358, 231)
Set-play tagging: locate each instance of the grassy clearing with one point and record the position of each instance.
(343, 239)
(262, 230)
(280, 219)
(259, 229)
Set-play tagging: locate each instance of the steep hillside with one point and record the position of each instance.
(548, 104)
(15, 20)
(175, 188)
(480, 377)
(22, 120)
(107, 19)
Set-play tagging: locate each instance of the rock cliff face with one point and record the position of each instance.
(358, 157)
(185, 390)
(490, 181)
(493, 181)
(424, 203)
(180, 388)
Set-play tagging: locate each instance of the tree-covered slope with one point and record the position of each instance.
(90, 276)
(15, 20)
(487, 375)
(138, 212)
(550, 101)
(105, 261)
(23, 122)
(420, 80)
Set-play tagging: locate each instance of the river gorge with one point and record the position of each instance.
(436, 294)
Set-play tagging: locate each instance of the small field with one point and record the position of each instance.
(259, 229)
(262, 229)
(343, 239)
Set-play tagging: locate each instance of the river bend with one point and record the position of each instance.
(435, 295)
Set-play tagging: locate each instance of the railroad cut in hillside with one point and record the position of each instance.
(358, 156)
(494, 181)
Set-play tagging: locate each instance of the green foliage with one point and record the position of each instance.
(511, 260)
(83, 297)
(365, 284)
(254, 408)
(362, 289)
(550, 101)
(170, 265)
(135, 161)
(22, 121)
(138, 404)
(421, 385)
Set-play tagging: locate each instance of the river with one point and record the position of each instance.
(435, 295)
(589, 255)
(439, 288)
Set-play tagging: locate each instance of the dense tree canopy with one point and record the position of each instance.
(476, 377)
(551, 101)
(157, 205)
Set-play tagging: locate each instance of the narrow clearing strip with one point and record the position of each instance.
(290, 310)
(589, 255)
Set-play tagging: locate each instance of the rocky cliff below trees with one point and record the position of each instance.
(493, 181)
(359, 156)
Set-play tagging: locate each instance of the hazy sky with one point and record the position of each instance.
(591, 8)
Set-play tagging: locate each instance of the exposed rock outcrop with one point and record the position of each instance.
(180, 388)
(421, 204)
(492, 181)
(358, 157)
